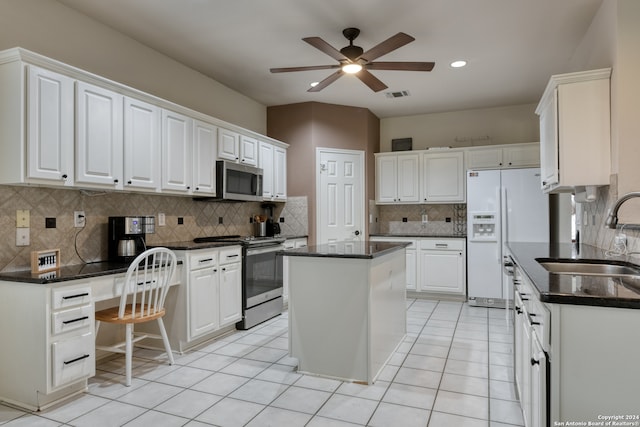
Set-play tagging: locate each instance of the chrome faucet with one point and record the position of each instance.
(612, 219)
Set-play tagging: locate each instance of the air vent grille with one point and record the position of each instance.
(399, 94)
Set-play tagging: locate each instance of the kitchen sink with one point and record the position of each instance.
(588, 268)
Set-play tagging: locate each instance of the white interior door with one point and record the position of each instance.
(339, 195)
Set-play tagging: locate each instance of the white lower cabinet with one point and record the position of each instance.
(212, 293)
(433, 264)
(50, 352)
(300, 242)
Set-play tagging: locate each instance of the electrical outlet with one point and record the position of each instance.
(79, 219)
(162, 220)
(22, 237)
(22, 218)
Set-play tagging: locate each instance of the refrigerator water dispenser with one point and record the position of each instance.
(483, 226)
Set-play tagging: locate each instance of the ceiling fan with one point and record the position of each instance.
(353, 60)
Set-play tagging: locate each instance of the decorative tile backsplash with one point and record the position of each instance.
(199, 219)
(442, 219)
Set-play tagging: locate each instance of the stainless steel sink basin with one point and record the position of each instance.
(589, 268)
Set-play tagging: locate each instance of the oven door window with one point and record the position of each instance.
(263, 273)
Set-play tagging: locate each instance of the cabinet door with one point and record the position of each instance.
(479, 158)
(176, 151)
(50, 109)
(99, 136)
(538, 384)
(443, 177)
(230, 293)
(411, 269)
(549, 141)
(266, 163)
(228, 145)
(408, 178)
(527, 155)
(142, 145)
(205, 146)
(203, 302)
(442, 271)
(248, 150)
(280, 174)
(386, 179)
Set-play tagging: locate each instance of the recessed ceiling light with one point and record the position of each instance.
(314, 84)
(458, 64)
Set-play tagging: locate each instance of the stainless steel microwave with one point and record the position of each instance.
(238, 182)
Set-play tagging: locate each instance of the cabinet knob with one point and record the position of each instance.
(224, 269)
(188, 187)
(115, 181)
(64, 176)
(197, 188)
(500, 164)
(129, 182)
(534, 362)
(215, 270)
(510, 163)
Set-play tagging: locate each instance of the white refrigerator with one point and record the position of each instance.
(505, 205)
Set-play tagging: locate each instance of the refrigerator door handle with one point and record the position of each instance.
(501, 217)
(504, 235)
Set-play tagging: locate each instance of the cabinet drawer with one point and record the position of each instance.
(443, 245)
(72, 319)
(72, 359)
(63, 297)
(203, 259)
(230, 255)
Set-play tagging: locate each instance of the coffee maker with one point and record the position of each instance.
(127, 236)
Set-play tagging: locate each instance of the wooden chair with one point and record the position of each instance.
(143, 294)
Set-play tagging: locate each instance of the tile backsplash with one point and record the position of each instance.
(445, 219)
(199, 219)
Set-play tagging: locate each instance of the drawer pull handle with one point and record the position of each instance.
(442, 245)
(232, 256)
(206, 260)
(79, 319)
(145, 283)
(534, 362)
(77, 359)
(85, 294)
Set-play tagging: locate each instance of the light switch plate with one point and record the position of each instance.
(22, 218)
(22, 237)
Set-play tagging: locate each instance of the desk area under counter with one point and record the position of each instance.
(347, 307)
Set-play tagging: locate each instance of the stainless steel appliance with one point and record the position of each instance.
(236, 182)
(127, 236)
(262, 283)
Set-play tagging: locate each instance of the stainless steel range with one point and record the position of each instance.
(261, 277)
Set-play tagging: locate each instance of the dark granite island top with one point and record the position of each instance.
(591, 290)
(347, 249)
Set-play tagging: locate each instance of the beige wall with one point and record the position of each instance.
(312, 125)
(51, 29)
(503, 125)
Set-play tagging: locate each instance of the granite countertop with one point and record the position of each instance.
(191, 245)
(71, 272)
(575, 289)
(357, 249)
(416, 235)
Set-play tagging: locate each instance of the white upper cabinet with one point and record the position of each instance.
(280, 174)
(142, 145)
(98, 136)
(248, 150)
(575, 131)
(503, 156)
(205, 146)
(273, 162)
(397, 178)
(228, 145)
(176, 152)
(442, 177)
(50, 111)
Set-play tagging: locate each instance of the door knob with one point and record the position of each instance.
(357, 232)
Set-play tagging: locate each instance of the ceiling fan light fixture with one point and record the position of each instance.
(458, 64)
(351, 68)
(314, 84)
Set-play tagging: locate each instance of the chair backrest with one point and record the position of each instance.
(147, 281)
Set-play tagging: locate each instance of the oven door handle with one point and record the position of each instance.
(264, 250)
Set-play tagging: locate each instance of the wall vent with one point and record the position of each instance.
(399, 94)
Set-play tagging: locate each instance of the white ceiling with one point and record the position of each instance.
(512, 46)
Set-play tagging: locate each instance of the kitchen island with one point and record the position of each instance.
(347, 308)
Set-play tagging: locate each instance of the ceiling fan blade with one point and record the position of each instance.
(370, 80)
(326, 82)
(392, 43)
(325, 47)
(401, 66)
(310, 68)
